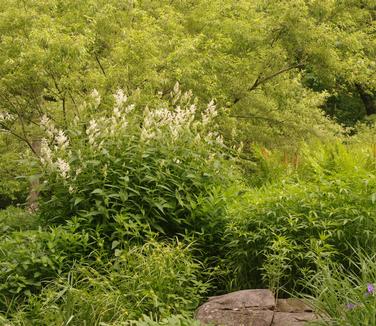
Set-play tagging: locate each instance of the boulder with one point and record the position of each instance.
(241, 308)
(254, 308)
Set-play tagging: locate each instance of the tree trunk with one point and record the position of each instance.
(32, 199)
(369, 100)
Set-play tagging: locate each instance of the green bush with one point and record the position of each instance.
(275, 232)
(29, 259)
(160, 167)
(154, 279)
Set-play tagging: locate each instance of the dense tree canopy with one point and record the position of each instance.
(272, 66)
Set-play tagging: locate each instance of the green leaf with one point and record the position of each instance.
(78, 200)
(98, 191)
(114, 244)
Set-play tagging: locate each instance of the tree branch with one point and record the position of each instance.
(7, 129)
(99, 63)
(260, 80)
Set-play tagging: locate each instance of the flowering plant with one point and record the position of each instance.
(158, 166)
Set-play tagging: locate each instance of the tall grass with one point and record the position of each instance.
(343, 296)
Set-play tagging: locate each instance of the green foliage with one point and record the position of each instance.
(343, 297)
(269, 166)
(162, 168)
(156, 278)
(16, 219)
(107, 189)
(120, 184)
(175, 320)
(272, 65)
(14, 172)
(279, 229)
(30, 258)
(365, 133)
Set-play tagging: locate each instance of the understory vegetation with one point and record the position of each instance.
(156, 153)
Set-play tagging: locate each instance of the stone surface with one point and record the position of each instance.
(292, 312)
(292, 305)
(292, 318)
(241, 308)
(238, 318)
(246, 298)
(254, 308)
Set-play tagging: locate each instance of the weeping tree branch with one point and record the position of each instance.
(256, 117)
(21, 136)
(260, 80)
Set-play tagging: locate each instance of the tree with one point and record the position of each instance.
(273, 66)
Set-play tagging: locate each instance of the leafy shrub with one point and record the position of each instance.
(365, 133)
(270, 165)
(323, 210)
(353, 161)
(160, 167)
(154, 279)
(30, 258)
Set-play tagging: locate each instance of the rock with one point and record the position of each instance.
(241, 308)
(254, 308)
(292, 305)
(261, 298)
(292, 318)
(238, 318)
(292, 312)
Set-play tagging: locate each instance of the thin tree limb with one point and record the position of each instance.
(9, 130)
(259, 81)
(100, 65)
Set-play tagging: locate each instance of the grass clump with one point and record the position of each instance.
(344, 297)
(156, 279)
